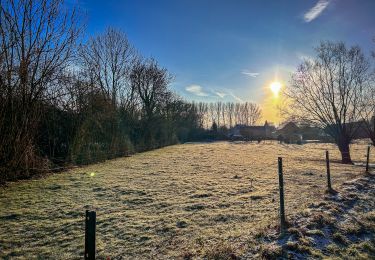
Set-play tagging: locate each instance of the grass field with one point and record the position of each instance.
(179, 201)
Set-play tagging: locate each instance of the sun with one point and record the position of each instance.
(275, 88)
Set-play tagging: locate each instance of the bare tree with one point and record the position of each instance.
(106, 61)
(224, 114)
(202, 111)
(237, 113)
(212, 112)
(151, 83)
(37, 41)
(327, 92)
(254, 113)
(218, 108)
(244, 113)
(230, 111)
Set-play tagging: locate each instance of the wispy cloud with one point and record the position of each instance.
(314, 12)
(250, 74)
(212, 94)
(235, 97)
(196, 90)
(225, 93)
(220, 94)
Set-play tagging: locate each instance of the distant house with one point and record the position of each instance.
(313, 133)
(357, 129)
(289, 133)
(245, 132)
(360, 129)
(288, 128)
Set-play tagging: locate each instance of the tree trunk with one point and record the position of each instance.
(345, 153)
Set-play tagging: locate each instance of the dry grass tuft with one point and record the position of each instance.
(221, 251)
(271, 251)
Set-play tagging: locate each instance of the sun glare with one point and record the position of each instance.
(275, 88)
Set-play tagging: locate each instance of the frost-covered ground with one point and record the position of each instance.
(190, 200)
(341, 227)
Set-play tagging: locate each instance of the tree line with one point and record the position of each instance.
(68, 101)
(61, 101)
(227, 114)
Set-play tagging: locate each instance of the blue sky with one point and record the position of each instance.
(232, 50)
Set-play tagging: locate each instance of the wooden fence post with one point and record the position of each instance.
(281, 190)
(90, 226)
(328, 172)
(368, 159)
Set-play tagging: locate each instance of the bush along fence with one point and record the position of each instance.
(90, 219)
